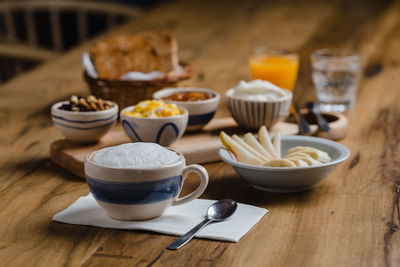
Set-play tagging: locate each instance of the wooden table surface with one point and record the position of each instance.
(349, 219)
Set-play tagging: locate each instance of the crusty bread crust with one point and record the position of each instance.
(143, 52)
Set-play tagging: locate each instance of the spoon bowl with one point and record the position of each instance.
(218, 211)
(221, 209)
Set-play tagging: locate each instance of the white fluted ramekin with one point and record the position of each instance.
(251, 114)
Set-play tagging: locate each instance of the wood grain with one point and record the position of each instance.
(350, 219)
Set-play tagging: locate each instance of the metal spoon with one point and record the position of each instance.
(303, 124)
(217, 212)
(322, 123)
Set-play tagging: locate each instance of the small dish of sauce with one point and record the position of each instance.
(190, 96)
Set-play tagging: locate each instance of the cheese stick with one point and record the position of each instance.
(263, 136)
(249, 148)
(252, 141)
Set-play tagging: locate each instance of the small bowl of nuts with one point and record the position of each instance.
(84, 119)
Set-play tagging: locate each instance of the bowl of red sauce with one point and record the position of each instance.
(200, 102)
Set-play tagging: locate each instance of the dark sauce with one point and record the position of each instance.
(191, 96)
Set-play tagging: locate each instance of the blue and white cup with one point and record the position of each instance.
(141, 193)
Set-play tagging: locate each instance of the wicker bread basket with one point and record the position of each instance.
(127, 93)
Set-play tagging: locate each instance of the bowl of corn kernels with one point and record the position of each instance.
(84, 119)
(154, 121)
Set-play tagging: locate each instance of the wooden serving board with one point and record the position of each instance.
(198, 147)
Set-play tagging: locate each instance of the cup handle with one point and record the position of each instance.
(202, 172)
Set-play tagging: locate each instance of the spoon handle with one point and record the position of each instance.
(181, 241)
(323, 124)
(303, 124)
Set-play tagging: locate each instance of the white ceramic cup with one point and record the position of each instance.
(141, 193)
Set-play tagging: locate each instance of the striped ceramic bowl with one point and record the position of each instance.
(252, 114)
(88, 126)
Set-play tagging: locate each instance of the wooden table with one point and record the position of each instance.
(350, 219)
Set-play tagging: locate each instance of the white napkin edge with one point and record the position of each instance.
(129, 76)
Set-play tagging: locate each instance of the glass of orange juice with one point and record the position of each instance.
(275, 66)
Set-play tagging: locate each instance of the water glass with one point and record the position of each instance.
(335, 75)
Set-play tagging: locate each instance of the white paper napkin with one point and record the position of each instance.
(129, 76)
(176, 220)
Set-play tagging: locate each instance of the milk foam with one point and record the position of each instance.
(136, 155)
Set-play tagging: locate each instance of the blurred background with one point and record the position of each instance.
(34, 31)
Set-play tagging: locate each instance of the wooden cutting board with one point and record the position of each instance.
(199, 147)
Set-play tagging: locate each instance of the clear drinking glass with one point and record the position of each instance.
(335, 74)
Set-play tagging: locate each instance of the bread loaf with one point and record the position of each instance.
(142, 52)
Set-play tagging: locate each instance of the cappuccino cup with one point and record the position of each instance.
(139, 191)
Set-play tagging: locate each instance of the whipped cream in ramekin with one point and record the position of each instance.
(259, 90)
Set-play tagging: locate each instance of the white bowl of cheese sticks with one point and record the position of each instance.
(284, 164)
